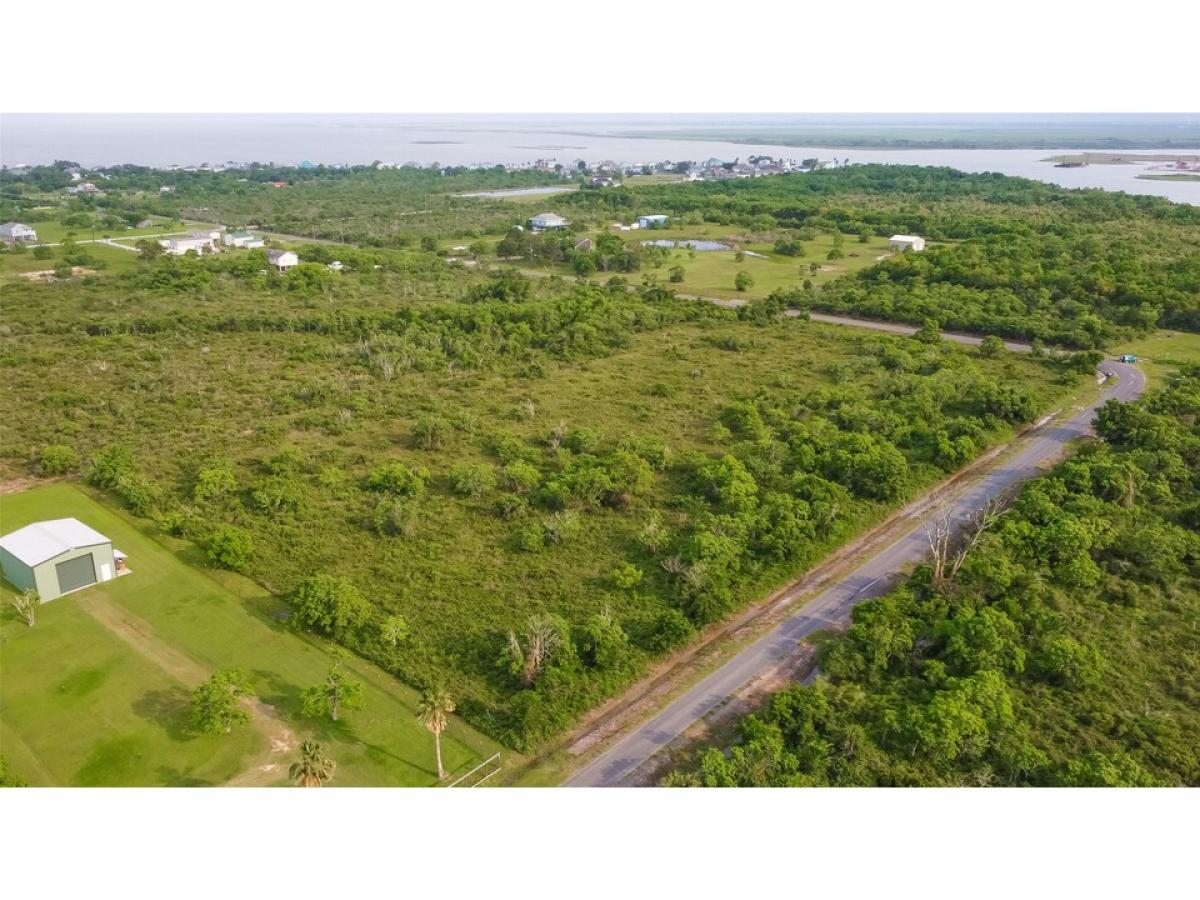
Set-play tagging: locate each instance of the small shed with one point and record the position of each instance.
(904, 242)
(56, 557)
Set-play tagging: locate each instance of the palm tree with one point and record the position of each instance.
(313, 768)
(433, 710)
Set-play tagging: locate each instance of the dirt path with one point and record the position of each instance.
(139, 635)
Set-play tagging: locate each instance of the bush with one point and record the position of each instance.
(399, 479)
(743, 281)
(213, 482)
(57, 459)
(669, 629)
(626, 576)
(429, 433)
(531, 538)
(521, 477)
(229, 547)
(473, 480)
(394, 516)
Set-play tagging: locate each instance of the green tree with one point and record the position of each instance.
(930, 332)
(677, 274)
(229, 547)
(434, 711)
(394, 630)
(330, 604)
(331, 696)
(743, 281)
(991, 347)
(217, 703)
(313, 768)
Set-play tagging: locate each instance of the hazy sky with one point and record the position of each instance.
(466, 55)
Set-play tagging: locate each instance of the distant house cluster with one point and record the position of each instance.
(203, 243)
(656, 220)
(17, 233)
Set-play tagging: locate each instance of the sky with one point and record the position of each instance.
(617, 56)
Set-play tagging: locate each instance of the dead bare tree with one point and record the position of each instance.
(950, 544)
(530, 657)
(26, 604)
(556, 436)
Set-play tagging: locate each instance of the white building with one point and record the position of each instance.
(244, 239)
(546, 221)
(902, 242)
(656, 221)
(198, 242)
(282, 259)
(16, 233)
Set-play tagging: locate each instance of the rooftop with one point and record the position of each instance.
(36, 543)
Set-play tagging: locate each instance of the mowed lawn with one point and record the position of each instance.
(110, 259)
(78, 705)
(1164, 352)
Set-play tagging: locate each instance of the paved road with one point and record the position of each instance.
(833, 605)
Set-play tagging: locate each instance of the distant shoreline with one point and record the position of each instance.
(902, 139)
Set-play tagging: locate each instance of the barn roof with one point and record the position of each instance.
(36, 543)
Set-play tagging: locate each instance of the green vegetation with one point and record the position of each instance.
(1063, 651)
(84, 705)
(1026, 259)
(467, 465)
(522, 491)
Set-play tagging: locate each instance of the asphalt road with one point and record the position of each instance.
(613, 767)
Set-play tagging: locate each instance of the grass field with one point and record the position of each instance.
(111, 259)
(1164, 352)
(55, 232)
(79, 706)
(712, 273)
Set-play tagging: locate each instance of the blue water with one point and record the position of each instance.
(160, 140)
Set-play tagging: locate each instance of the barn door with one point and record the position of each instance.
(76, 573)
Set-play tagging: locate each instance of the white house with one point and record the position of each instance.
(546, 221)
(16, 233)
(198, 242)
(244, 239)
(902, 242)
(282, 259)
(657, 221)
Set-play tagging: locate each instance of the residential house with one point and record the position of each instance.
(584, 245)
(242, 238)
(283, 259)
(16, 233)
(547, 221)
(902, 242)
(655, 221)
(198, 242)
